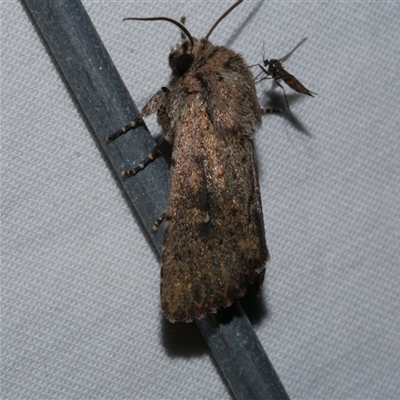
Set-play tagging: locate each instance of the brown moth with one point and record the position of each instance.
(214, 241)
(274, 70)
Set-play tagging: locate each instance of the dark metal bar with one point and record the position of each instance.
(107, 105)
(240, 355)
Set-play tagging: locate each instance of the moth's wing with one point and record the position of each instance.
(214, 239)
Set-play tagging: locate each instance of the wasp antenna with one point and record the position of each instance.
(178, 24)
(222, 17)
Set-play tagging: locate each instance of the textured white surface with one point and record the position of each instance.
(80, 283)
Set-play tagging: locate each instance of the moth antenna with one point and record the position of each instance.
(222, 17)
(284, 58)
(178, 24)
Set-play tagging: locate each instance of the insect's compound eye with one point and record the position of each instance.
(182, 63)
(266, 62)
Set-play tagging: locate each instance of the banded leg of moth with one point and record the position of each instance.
(149, 159)
(270, 110)
(151, 107)
(158, 222)
(132, 125)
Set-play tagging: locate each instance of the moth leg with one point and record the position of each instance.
(158, 222)
(132, 125)
(149, 159)
(150, 108)
(270, 110)
(258, 281)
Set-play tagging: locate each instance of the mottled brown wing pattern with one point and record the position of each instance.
(214, 240)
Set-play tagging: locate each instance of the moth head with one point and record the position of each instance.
(181, 58)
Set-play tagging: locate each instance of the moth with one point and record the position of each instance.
(214, 240)
(273, 69)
